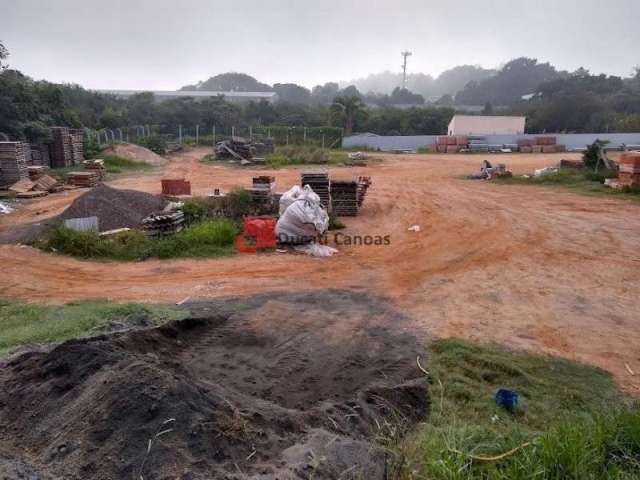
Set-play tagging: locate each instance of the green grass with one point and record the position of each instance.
(583, 181)
(114, 165)
(572, 414)
(306, 155)
(29, 324)
(206, 239)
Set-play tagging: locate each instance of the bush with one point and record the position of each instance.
(155, 143)
(240, 203)
(210, 238)
(305, 155)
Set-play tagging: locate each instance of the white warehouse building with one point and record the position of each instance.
(486, 125)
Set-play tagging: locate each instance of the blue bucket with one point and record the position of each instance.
(507, 399)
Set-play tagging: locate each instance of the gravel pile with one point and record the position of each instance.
(114, 208)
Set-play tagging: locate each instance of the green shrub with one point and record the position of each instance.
(194, 210)
(209, 238)
(240, 203)
(155, 143)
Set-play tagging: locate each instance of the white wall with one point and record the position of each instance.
(486, 125)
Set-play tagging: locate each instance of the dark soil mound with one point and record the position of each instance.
(114, 208)
(215, 397)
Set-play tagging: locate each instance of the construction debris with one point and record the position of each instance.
(541, 172)
(97, 166)
(83, 179)
(344, 198)
(319, 183)
(5, 209)
(238, 148)
(572, 164)
(13, 163)
(165, 223)
(488, 171)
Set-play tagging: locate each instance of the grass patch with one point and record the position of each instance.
(206, 239)
(28, 324)
(572, 414)
(583, 181)
(306, 155)
(113, 164)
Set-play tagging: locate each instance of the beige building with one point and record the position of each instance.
(486, 125)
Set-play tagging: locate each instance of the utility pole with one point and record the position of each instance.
(404, 68)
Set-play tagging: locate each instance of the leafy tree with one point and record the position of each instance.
(230, 82)
(402, 96)
(292, 93)
(349, 107)
(4, 54)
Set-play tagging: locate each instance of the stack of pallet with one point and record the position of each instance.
(262, 189)
(363, 185)
(67, 147)
(39, 154)
(96, 165)
(13, 163)
(36, 171)
(83, 179)
(165, 223)
(319, 183)
(629, 172)
(344, 198)
(77, 146)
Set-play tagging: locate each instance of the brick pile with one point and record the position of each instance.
(629, 172)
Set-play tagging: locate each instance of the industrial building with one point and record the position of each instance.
(486, 125)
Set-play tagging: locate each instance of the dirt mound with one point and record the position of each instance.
(135, 153)
(114, 208)
(224, 396)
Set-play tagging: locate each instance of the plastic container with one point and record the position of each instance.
(507, 399)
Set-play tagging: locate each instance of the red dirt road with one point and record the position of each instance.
(528, 267)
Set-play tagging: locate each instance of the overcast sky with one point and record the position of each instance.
(161, 44)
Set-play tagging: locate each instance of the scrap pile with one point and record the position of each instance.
(83, 179)
(164, 223)
(264, 145)
(237, 148)
(13, 163)
(488, 171)
(96, 166)
(629, 171)
(319, 183)
(68, 147)
(345, 198)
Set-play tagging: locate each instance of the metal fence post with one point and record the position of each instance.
(323, 141)
(304, 135)
(233, 131)
(197, 134)
(180, 134)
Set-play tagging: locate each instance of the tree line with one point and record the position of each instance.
(552, 101)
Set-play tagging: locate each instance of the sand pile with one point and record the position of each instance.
(114, 208)
(135, 153)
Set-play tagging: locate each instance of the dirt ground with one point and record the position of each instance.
(274, 386)
(524, 266)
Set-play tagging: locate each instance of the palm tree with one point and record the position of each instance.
(350, 107)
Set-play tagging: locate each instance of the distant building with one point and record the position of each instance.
(486, 125)
(160, 95)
